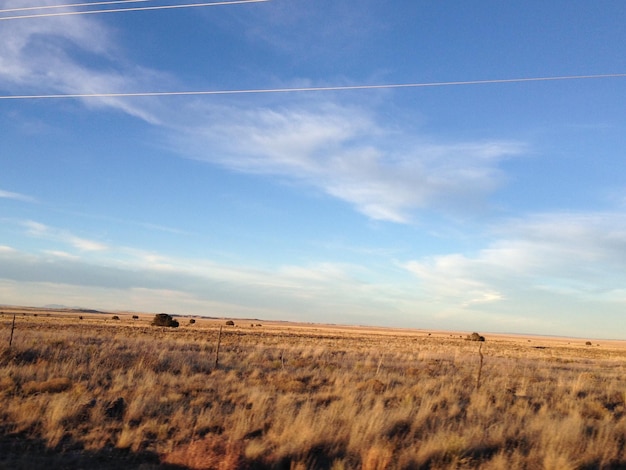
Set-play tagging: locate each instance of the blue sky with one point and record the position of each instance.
(495, 207)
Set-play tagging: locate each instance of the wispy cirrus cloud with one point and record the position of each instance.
(39, 230)
(48, 56)
(290, 28)
(17, 196)
(61, 254)
(346, 153)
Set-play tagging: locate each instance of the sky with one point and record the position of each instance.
(493, 207)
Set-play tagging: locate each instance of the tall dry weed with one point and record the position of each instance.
(210, 453)
(377, 457)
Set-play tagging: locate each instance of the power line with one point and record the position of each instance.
(308, 89)
(118, 10)
(69, 5)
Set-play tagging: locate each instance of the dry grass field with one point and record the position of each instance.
(81, 390)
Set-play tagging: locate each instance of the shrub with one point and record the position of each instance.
(115, 317)
(192, 321)
(230, 323)
(115, 409)
(135, 317)
(475, 337)
(588, 343)
(163, 319)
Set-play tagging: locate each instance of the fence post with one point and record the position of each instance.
(217, 351)
(12, 328)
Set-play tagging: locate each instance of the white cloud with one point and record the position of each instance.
(452, 281)
(86, 245)
(335, 32)
(16, 196)
(39, 230)
(35, 229)
(36, 57)
(344, 152)
(578, 255)
(61, 254)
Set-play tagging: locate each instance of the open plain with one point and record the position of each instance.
(80, 389)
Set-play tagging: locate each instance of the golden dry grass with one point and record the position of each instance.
(103, 393)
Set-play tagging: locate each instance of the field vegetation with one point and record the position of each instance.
(102, 393)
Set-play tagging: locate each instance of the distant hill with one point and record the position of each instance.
(77, 309)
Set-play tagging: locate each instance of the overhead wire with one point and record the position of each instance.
(309, 89)
(69, 5)
(119, 10)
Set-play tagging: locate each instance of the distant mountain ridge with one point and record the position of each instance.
(65, 307)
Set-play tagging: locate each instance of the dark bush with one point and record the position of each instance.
(475, 337)
(192, 321)
(115, 409)
(230, 323)
(135, 317)
(115, 317)
(588, 343)
(163, 319)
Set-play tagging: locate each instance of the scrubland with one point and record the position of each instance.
(102, 393)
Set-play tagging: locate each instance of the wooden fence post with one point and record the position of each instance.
(217, 351)
(12, 328)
